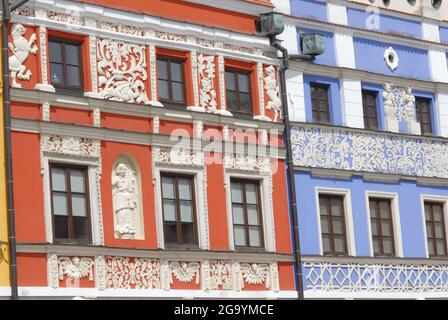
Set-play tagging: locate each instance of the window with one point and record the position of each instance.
(319, 102)
(70, 203)
(238, 91)
(435, 229)
(369, 107)
(179, 210)
(382, 227)
(423, 115)
(171, 80)
(246, 211)
(65, 65)
(332, 223)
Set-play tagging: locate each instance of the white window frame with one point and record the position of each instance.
(440, 199)
(265, 185)
(92, 166)
(396, 223)
(348, 217)
(201, 218)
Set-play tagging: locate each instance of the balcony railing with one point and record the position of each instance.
(354, 275)
(340, 148)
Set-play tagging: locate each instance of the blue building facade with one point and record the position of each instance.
(370, 149)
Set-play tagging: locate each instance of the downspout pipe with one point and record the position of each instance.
(8, 147)
(290, 163)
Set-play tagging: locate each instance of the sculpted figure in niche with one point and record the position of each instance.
(124, 191)
(410, 102)
(21, 49)
(272, 91)
(388, 100)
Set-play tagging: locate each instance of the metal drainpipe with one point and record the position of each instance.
(9, 176)
(290, 166)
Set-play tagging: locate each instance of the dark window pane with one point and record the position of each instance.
(55, 53)
(163, 89)
(56, 73)
(245, 102)
(162, 69)
(188, 233)
(81, 226)
(230, 81)
(74, 76)
(61, 227)
(238, 214)
(178, 91)
(177, 73)
(332, 224)
(170, 231)
(243, 83)
(72, 54)
(326, 243)
(231, 99)
(186, 211)
(169, 210)
(324, 224)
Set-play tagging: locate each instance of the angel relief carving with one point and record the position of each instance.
(21, 48)
(125, 200)
(76, 268)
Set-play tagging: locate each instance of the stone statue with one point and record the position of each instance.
(21, 49)
(272, 91)
(410, 101)
(124, 192)
(388, 100)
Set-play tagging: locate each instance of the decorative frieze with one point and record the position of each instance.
(218, 275)
(153, 73)
(178, 156)
(247, 163)
(24, 11)
(20, 49)
(100, 272)
(195, 76)
(122, 71)
(255, 274)
(132, 273)
(343, 149)
(46, 111)
(83, 147)
(170, 36)
(65, 18)
(93, 63)
(120, 28)
(53, 270)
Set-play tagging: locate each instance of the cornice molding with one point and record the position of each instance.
(138, 110)
(189, 255)
(141, 138)
(236, 5)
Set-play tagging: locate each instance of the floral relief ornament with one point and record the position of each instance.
(127, 273)
(21, 48)
(122, 71)
(255, 273)
(206, 70)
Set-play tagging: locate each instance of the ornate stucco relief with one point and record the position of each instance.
(20, 49)
(75, 268)
(272, 91)
(185, 271)
(126, 198)
(357, 151)
(132, 273)
(122, 71)
(206, 71)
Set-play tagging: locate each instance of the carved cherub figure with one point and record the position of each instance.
(410, 101)
(388, 100)
(20, 48)
(272, 91)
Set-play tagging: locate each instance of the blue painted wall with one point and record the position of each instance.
(387, 24)
(334, 97)
(413, 62)
(312, 9)
(329, 56)
(413, 240)
(444, 34)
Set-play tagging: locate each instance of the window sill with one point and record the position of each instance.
(250, 250)
(174, 247)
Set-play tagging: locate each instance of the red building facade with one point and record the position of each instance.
(147, 151)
